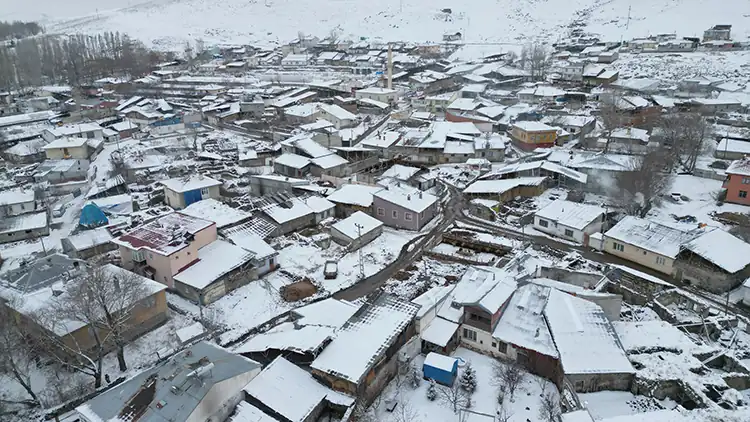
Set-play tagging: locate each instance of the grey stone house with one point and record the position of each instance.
(715, 261)
(404, 209)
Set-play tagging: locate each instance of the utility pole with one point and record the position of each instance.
(361, 262)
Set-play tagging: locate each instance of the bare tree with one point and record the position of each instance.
(549, 407)
(404, 412)
(507, 377)
(15, 353)
(639, 189)
(454, 397)
(116, 293)
(685, 134)
(503, 414)
(537, 59)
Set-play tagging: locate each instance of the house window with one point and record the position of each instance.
(742, 194)
(394, 214)
(149, 302)
(407, 216)
(568, 232)
(618, 246)
(470, 335)
(502, 347)
(381, 212)
(543, 223)
(746, 180)
(204, 192)
(660, 260)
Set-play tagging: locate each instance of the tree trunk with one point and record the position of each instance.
(26, 386)
(98, 373)
(121, 358)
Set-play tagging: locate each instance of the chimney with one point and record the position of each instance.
(420, 194)
(408, 197)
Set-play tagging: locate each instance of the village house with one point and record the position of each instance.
(531, 135)
(289, 393)
(32, 290)
(363, 357)
(504, 190)
(570, 220)
(711, 106)
(220, 213)
(384, 95)
(718, 33)
(165, 246)
(591, 354)
(577, 126)
(540, 94)
(16, 202)
(404, 208)
(715, 261)
(292, 165)
(181, 192)
(73, 148)
(340, 117)
(596, 74)
(25, 152)
(24, 226)
(302, 113)
(350, 198)
(61, 171)
(356, 230)
(732, 148)
(648, 243)
(294, 213)
(202, 382)
(737, 183)
(83, 130)
(88, 243)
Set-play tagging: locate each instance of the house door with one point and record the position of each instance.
(192, 196)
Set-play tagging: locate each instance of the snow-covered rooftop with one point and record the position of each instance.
(415, 201)
(90, 238)
(401, 172)
(290, 391)
(721, 249)
(429, 299)
(522, 323)
(66, 142)
(631, 133)
(357, 224)
(73, 130)
(436, 360)
(329, 312)
(571, 214)
(501, 186)
(527, 126)
(218, 212)
(365, 337)
(164, 235)
(16, 196)
(739, 167)
(360, 195)
(585, 339)
(338, 112)
(215, 260)
(186, 184)
(329, 161)
(652, 236)
(306, 339)
(293, 161)
(23, 222)
(439, 331)
(648, 336)
(246, 412)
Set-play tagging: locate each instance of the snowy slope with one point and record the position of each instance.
(169, 23)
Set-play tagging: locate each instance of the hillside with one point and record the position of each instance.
(167, 24)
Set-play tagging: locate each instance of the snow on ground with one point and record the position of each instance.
(607, 404)
(421, 276)
(169, 23)
(524, 407)
(254, 304)
(702, 201)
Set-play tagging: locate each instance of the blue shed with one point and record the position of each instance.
(443, 369)
(92, 216)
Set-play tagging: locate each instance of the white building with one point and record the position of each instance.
(356, 230)
(83, 130)
(570, 220)
(16, 202)
(384, 95)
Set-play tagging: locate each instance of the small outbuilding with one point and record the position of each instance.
(443, 369)
(356, 230)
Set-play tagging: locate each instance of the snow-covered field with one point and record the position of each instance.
(671, 67)
(607, 404)
(169, 23)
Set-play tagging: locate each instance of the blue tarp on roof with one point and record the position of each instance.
(92, 216)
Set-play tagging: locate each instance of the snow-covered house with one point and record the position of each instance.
(648, 243)
(202, 382)
(88, 243)
(591, 354)
(16, 202)
(353, 198)
(183, 191)
(25, 152)
(83, 130)
(409, 209)
(291, 394)
(292, 165)
(296, 213)
(165, 246)
(24, 226)
(33, 290)
(715, 261)
(340, 117)
(356, 230)
(220, 268)
(75, 148)
(570, 220)
(383, 95)
(363, 356)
